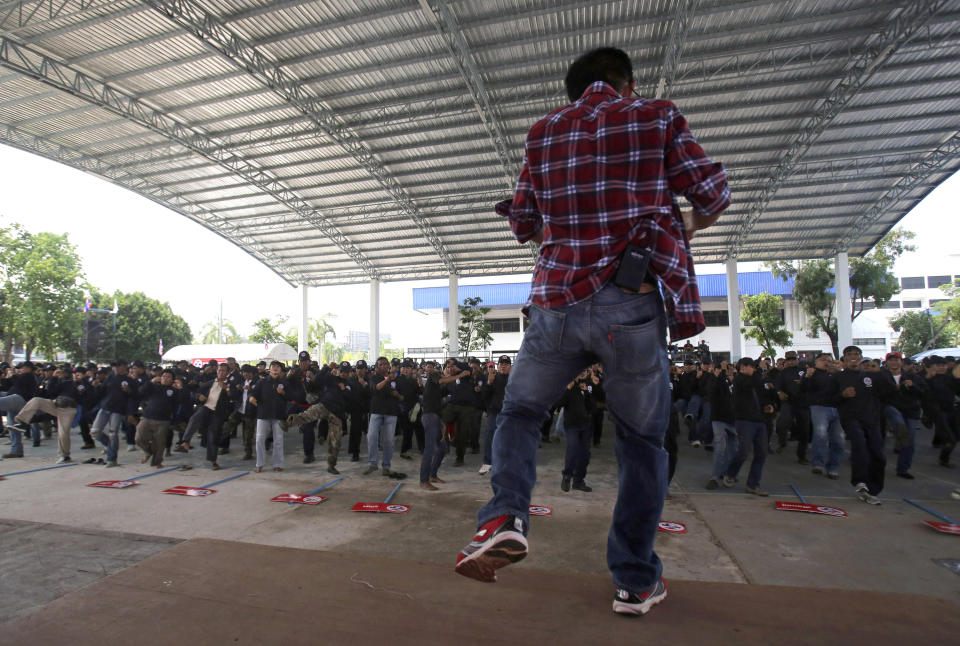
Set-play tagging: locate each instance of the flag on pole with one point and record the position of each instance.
(87, 305)
(266, 346)
(161, 348)
(114, 306)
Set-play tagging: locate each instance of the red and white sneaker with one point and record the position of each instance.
(498, 543)
(628, 603)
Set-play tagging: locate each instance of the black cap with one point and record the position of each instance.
(361, 363)
(344, 364)
(67, 370)
(137, 364)
(408, 363)
(504, 359)
(262, 363)
(118, 362)
(49, 366)
(247, 368)
(303, 356)
(395, 362)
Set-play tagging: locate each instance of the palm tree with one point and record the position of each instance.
(317, 332)
(210, 332)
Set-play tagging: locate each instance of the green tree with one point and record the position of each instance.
(210, 332)
(473, 332)
(389, 353)
(938, 327)
(921, 331)
(41, 291)
(872, 283)
(267, 331)
(763, 322)
(141, 323)
(317, 332)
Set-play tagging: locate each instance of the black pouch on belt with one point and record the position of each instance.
(632, 272)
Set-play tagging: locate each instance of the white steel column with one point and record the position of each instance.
(302, 343)
(844, 326)
(453, 318)
(374, 321)
(733, 310)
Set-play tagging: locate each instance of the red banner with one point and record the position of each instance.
(189, 491)
(946, 528)
(672, 528)
(381, 507)
(836, 512)
(539, 510)
(113, 484)
(299, 498)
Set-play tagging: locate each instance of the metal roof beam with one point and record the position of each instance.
(936, 162)
(122, 177)
(442, 17)
(45, 70)
(212, 32)
(898, 30)
(683, 15)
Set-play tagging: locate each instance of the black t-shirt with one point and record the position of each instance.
(432, 394)
(382, 401)
(159, 402)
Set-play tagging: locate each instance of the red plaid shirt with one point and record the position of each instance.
(601, 173)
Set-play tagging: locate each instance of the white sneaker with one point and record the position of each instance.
(484, 469)
(64, 459)
(131, 448)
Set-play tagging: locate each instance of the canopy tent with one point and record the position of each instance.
(242, 352)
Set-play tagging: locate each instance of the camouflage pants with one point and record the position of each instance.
(335, 434)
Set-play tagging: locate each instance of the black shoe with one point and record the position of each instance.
(307, 459)
(946, 464)
(712, 484)
(803, 461)
(627, 603)
(355, 458)
(224, 451)
(565, 483)
(580, 485)
(906, 476)
(406, 456)
(36, 444)
(332, 469)
(498, 543)
(458, 463)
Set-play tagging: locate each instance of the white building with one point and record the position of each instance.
(871, 329)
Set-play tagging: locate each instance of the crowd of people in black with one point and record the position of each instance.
(732, 410)
(755, 407)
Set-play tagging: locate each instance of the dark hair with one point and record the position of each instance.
(276, 363)
(168, 370)
(603, 64)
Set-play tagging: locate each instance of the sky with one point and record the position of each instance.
(130, 243)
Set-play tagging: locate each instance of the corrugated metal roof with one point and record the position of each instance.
(356, 131)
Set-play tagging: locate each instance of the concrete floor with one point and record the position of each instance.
(732, 537)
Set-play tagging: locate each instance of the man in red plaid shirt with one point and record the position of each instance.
(598, 192)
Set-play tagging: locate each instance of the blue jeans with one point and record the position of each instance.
(725, 446)
(11, 405)
(905, 434)
(387, 424)
(627, 333)
(488, 440)
(750, 434)
(434, 450)
(106, 428)
(827, 436)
